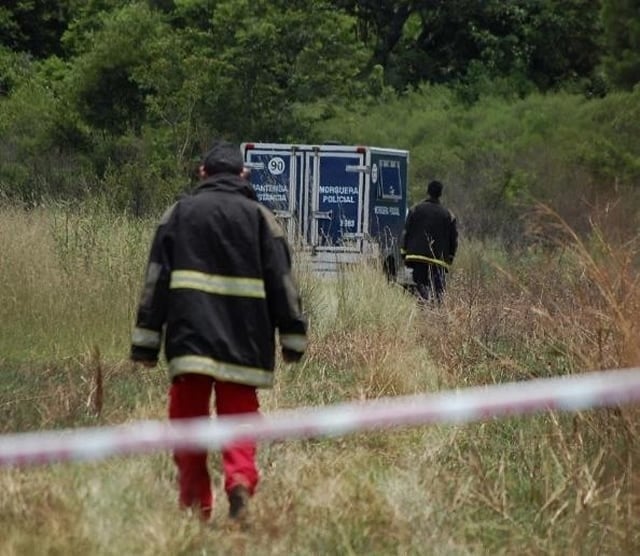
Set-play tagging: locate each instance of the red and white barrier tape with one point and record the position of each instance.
(570, 393)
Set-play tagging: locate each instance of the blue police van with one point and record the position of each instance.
(339, 204)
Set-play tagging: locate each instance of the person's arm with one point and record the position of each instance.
(282, 295)
(405, 233)
(453, 237)
(146, 338)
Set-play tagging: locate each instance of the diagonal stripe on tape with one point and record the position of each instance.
(570, 393)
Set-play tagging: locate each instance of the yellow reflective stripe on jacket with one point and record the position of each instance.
(295, 342)
(423, 259)
(218, 284)
(220, 370)
(143, 337)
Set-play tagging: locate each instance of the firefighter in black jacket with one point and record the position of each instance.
(218, 284)
(429, 243)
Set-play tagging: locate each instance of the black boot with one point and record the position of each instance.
(238, 502)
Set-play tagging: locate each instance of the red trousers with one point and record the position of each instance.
(190, 396)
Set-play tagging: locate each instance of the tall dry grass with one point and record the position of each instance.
(548, 484)
(557, 483)
(70, 278)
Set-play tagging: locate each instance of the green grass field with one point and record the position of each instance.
(547, 484)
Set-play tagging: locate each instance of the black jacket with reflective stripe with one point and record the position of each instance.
(431, 232)
(219, 284)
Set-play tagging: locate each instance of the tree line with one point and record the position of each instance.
(121, 96)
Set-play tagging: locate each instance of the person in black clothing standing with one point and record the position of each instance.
(429, 243)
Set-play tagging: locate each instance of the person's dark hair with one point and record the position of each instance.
(223, 157)
(434, 189)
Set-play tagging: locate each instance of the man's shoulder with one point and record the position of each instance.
(418, 206)
(427, 205)
(166, 215)
(428, 209)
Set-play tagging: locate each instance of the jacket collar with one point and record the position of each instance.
(227, 182)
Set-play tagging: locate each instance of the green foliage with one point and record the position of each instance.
(480, 81)
(131, 182)
(33, 27)
(88, 18)
(33, 158)
(563, 38)
(15, 67)
(140, 88)
(549, 43)
(277, 54)
(621, 22)
(183, 84)
(496, 155)
(610, 145)
(102, 84)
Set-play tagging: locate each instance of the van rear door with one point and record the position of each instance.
(276, 177)
(335, 207)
